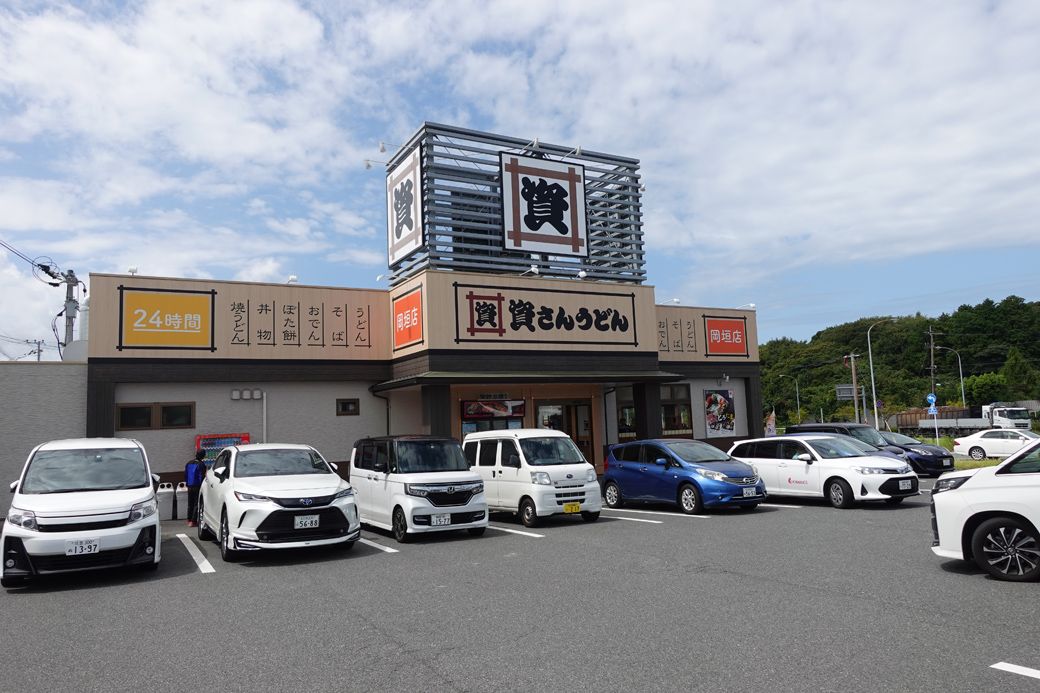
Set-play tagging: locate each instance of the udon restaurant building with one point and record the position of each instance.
(517, 298)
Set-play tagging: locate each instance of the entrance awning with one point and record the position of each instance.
(468, 378)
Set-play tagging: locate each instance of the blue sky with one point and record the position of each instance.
(825, 161)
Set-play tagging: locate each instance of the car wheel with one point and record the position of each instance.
(977, 453)
(612, 495)
(690, 500)
(1007, 549)
(528, 513)
(228, 554)
(400, 525)
(476, 531)
(12, 581)
(201, 529)
(748, 507)
(894, 501)
(590, 517)
(839, 493)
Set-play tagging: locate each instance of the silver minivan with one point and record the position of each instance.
(81, 504)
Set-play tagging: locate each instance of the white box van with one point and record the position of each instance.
(534, 472)
(413, 484)
(79, 505)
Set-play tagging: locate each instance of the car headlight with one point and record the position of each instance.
(142, 510)
(590, 475)
(416, 490)
(26, 519)
(922, 451)
(905, 469)
(541, 478)
(942, 484)
(711, 474)
(871, 470)
(250, 497)
(345, 493)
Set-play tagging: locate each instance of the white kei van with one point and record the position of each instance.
(415, 484)
(534, 472)
(80, 505)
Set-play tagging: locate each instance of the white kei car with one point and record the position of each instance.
(995, 442)
(271, 496)
(822, 465)
(81, 504)
(991, 516)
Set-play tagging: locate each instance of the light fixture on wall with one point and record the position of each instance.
(382, 146)
(749, 306)
(582, 274)
(132, 270)
(724, 378)
(292, 279)
(533, 269)
(236, 394)
(369, 162)
(672, 301)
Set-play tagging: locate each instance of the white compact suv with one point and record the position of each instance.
(822, 465)
(81, 504)
(534, 472)
(991, 515)
(275, 496)
(414, 484)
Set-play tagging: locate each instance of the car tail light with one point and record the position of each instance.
(956, 442)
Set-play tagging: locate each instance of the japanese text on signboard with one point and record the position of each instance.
(543, 206)
(299, 324)
(726, 336)
(165, 319)
(408, 318)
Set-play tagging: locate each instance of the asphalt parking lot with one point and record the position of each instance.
(791, 597)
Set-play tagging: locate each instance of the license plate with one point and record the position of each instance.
(305, 521)
(571, 507)
(905, 484)
(440, 520)
(750, 491)
(78, 547)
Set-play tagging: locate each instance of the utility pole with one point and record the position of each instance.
(39, 349)
(71, 304)
(931, 357)
(855, 385)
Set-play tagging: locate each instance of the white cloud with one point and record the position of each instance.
(359, 256)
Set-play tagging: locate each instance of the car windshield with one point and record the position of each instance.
(1017, 414)
(900, 439)
(834, 448)
(868, 435)
(99, 469)
(697, 452)
(250, 463)
(1029, 434)
(550, 450)
(416, 456)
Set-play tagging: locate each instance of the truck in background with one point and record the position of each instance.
(955, 421)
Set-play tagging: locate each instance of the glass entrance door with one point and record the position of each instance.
(573, 417)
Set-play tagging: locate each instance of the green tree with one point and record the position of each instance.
(1019, 375)
(985, 388)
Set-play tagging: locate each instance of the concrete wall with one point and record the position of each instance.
(296, 413)
(41, 401)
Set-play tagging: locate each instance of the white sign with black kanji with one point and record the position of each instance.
(543, 206)
(404, 217)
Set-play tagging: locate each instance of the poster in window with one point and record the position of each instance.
(718, 413)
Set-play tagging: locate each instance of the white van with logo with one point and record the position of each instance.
(415, 484)
(534, 472)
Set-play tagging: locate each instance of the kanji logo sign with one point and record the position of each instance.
(543, 206)
(725, 336)
(404, 216)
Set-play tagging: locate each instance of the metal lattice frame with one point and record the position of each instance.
(462, 204)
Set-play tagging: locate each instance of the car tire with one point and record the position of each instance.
(590, 516)
(1007, 549)
(476, 531)
(400, 526)
(227, 554)
(12, 581)
(201, 529)
(976, 453)
(749, 507)
(894, 501)
(839, 493)
(690, 501)
(528, 513)
(612, 495)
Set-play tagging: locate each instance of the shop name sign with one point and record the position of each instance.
(543, 206)
(166, 319)
(501, 314)
(725, 336)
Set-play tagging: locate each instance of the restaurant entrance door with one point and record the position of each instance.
(572, 416)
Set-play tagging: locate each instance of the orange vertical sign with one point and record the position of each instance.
(725, 336)
(408, 319)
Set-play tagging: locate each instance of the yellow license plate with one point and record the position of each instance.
(571, 507)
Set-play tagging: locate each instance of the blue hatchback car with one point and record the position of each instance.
(691, 474)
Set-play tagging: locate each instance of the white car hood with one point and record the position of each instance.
(81, 502)
(559, 472)
(960, 473)
(292, 485)
(439, 478)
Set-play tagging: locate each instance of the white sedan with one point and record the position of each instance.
(275, 497)
(995, 442)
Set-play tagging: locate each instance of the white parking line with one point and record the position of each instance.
(517, 531)
(636, 519)
(778, 505)
(1015, 669)
(376, 545)
(654, 512)
(196, 553)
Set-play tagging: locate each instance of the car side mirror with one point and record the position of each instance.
(513, 461)
(335, 467)
(155, 478)
(220, 471)
(804, 457)
(661, 461)
(379, 467)
(14, 486)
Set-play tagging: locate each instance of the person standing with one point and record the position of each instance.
(194, 473)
